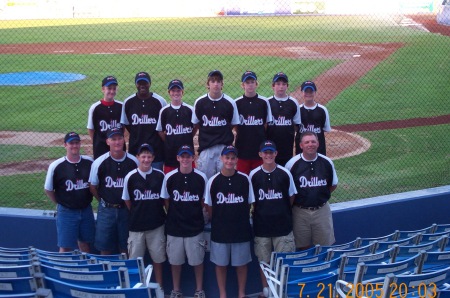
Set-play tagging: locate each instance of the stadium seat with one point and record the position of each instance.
(136, 268)
(15, 257)
(436, 261)
(363, 250)
(116, 257)
(349, 245)
(407, 234)
(407, 251)
(442, 228)
(382, 246)
(386, 238)
(73, 267)
(426, 238)
(15, 262)
(16, 271)
(18, 285)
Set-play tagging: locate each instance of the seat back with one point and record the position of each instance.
(442, 228)
(426, 238)
(16, 271)
(436, 261)
(136, 268)
(407, 251)
(407, 234)
(382, 246)
(364, 250)
(292, 255)
(15, 256)
(83, 267)
(60, 289)
(17, 285)
(349, 245)
(115, 257)
(386, 238)
(63, 262)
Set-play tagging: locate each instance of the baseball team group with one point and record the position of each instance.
(156, 194)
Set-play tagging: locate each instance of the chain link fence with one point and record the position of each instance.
(384, 78)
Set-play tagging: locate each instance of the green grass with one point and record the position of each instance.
(16, 153)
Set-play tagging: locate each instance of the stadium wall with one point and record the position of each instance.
(371, 217)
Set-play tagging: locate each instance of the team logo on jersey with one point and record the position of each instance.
(270, 195)
(144, 119)
(146, 195)
(314, 182)
(179, 129)
(79, 184)
(104, 126)
(110, 183)
(231, 198)
(311, 128)
(282, 121)
(251, 120)
(185, 196)
(214, 121)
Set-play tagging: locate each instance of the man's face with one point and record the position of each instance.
(143, 87)
(309, 144)
(109, 92)
(229, 161)
(115, 142)
(73, 147)
(145, 159)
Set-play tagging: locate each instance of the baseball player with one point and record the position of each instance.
(140, 113)
(286, 118)
(274, 192)
(315, 179)
(254, 114)
(314, 117)
(141, 193)
(174, 125)
(67, 186)
(103, 115)
(184, 192)
(228, 198)
(214, 116)
(106, 178)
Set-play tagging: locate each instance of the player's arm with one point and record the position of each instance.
(51, 195)
(91, 134)
(162, 135)
(291, 200)
(128, 204)
(166, 204)
(195, 130)
(94, 191)
(332, 188)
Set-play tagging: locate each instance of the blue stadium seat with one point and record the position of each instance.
(136, 268)
(386, 238)
(407, 251)
(436, 261)
(382, 246)
(116, 257)
(442, 228)
(18, 285)
(74, 267)
(349, 245)
(16, 271)
(425, 238)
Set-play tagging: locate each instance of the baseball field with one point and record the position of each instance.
(386, 87)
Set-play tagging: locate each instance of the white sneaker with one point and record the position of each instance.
(266, 292)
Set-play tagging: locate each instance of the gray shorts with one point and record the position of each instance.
(180, 247)
(265, 245)
(209, 161)
(239, 253)
(313, 227)
(153, 240)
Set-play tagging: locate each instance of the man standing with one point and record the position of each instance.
(314, 117)
(174, 125)
(229, 195)
(67, 186)
(103, 115)
(184, 192)
(254, 114)
(274, 192)
(106, 178)
(315, 179)
(140, 113)
(141, 193)
(215, 114)
(286, 118)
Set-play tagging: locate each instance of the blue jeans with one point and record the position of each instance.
(73, 225)
(112, 228)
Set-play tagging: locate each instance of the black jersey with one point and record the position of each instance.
(147, 207)
(230, 198)
(254, 114)
(314, 119)
(272, 216)
(108, 175)
(215, 118)
(185, 193)
(176, 123)
(140, 117)
(313, 179)
(103, 116)
(286, 116)
(69, 181)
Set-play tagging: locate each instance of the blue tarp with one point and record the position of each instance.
(38, 78)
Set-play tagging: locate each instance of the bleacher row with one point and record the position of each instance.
(401, 264)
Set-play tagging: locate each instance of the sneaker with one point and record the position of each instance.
(176, 294)
(266, 292)
(199, 294)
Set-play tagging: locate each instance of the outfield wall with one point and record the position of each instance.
(371, 217)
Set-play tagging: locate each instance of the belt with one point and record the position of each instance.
(311, 208)
(109, 205)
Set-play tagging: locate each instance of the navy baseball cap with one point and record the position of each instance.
(308, 84)
(185, 149)
(229, 149)
(215, 73)
(175, 83)
(142, 76)
(145, 147)
(248, 74)
(71, 136)
(267, 146)
(109, 80)
(280, 76)
(114, 131)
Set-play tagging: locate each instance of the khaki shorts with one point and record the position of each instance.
(192, 247)
(265, 245)
(153, 240)
(313, 227)
(209, 161)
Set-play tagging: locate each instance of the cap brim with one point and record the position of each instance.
(309, 87)
(176, 85)
(143, 79)
(280, 78)
(115, 133)
(229, 151)
(73, 139)
(268, 149)
(110, 83)
(247, 77)
(216, 73)
(185, 151)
